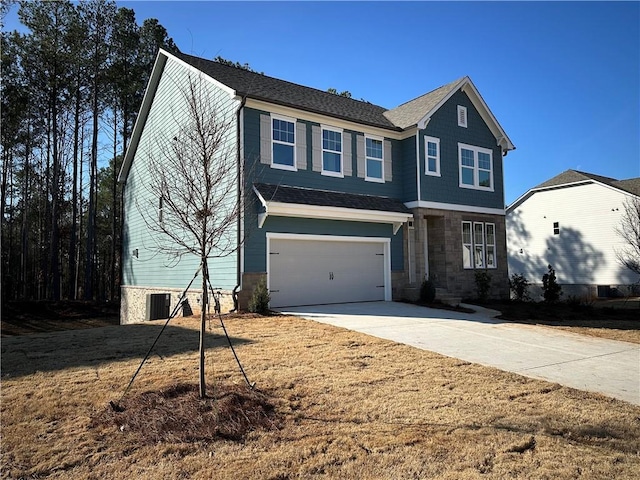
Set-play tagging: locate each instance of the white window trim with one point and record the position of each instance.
(462, 116)
(330, 173)
(279, 166)
(426, 156)
(483, 242)
(366, 175)
(476, 167)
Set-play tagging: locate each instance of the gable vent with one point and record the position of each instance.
(462, 116)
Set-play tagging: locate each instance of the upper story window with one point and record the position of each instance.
(283, 141)
(462, 116)
(374, 159)
(476, 167)
(332, 152)
(432, 156)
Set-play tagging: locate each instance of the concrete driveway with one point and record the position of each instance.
(586, 363)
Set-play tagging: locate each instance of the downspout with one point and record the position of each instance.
(239, 165)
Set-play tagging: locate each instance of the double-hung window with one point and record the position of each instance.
(478, 245)
(374, 159)
(432, 156)
(283, 140)
(332, 152)
(476, 167)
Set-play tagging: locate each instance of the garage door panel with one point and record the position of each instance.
(316, 271)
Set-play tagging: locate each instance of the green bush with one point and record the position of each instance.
(483, 285)
(550, 287)
(427, 291)
(519, 285)
(260, 298)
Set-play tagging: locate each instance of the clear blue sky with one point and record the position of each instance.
(562, 78)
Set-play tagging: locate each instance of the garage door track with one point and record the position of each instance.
(587, 363)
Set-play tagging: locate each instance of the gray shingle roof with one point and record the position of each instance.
(324, 198)
(631, 185)
(262, 87)
(411, 112)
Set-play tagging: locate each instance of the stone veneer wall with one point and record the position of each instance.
(249, 283)
(444, 240)
(133, 302)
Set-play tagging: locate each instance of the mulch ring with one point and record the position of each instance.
(178, 414)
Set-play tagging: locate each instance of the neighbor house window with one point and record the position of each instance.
(331, 152)
(432, 156)
(374, 159)
(476, 167)
(478, 245)
(283, 143)
(556, 228)
(462, 116)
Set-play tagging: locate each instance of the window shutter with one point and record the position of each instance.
(388, 174)
(301, 145)
(265, 139)
(316, 148)
(347, 159)
(360, 156)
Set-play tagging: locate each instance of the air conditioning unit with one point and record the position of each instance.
(157, 306)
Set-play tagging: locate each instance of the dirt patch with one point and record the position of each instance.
(178, 414)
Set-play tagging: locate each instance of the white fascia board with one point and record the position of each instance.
(422, 123)
(455, 207)
(143, 113)
(467, 86)
(193, 69)
(297, 210)
(326, 120)
(501, 136)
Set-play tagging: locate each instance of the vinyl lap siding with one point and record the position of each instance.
(584, 252)
(152, 268)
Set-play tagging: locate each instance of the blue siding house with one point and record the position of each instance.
(341, 200)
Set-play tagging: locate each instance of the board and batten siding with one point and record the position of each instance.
(151, 268)
(584, 250)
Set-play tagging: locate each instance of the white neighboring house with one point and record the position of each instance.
(570, 222)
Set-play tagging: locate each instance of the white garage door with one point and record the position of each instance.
(305, 271)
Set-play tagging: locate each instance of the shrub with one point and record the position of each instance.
(550, 287)
(483, 285)
(260, 298)
(427, 291)
(519, 285)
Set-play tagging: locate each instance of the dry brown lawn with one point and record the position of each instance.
(349, 406)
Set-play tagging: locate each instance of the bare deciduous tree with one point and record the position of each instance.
(194, 201)
(629, 230)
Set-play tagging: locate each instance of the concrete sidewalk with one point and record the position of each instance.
(586, 363)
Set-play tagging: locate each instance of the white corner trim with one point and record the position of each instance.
(455, 207)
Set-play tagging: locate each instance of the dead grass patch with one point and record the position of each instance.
(346, 405)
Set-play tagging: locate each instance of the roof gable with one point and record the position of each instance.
(570, 178)
(418, 112)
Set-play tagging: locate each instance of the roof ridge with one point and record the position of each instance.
(430, 92)
(244, 71)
